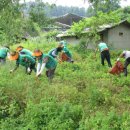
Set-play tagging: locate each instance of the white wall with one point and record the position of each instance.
(119, 42)
(74, 41)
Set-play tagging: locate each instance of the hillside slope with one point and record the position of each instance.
(82, 96)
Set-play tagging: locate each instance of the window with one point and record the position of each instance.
(120, 33)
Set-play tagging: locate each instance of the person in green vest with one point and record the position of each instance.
(45, 61)
(66, 55)
(54, 53)
(25, 60)
(24, 51)
(4, 52)
(104, 52)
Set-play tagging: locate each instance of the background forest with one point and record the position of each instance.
(20, 19)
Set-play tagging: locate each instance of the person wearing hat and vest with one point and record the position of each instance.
(24, 51)
(104, 53)
(4, 52)
(125, 54)
(25, 60)
(54, 53)
(66, 54)
(45, 61)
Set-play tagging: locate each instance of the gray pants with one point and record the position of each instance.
(70, 60)
(2, 60)
(50, 73)
(32, 67)
(127, 62)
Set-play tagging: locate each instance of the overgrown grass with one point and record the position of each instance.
(82, 95)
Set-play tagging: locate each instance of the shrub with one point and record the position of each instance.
(49, 114)
(110, 121)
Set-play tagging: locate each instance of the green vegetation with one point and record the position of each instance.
(102, 5)
(82, 96)
(92, 26)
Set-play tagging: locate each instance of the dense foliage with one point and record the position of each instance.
(102, 5)
(82, 96)
(88, 28)
(96, 21)
(37, 14)
(10, 21)
(15, 25)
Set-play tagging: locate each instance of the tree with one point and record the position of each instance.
(10, 20)
(37, 14)
(93, 24)
(13, 23)
(102, 5)
(126, 12)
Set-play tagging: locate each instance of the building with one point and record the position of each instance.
(68, 19)
(117, 36)
(64, 22)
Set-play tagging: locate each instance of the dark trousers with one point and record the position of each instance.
(70, 60)
(50, 73)
(2, 60)
(127, 62)
(105, 55)
(32, 67)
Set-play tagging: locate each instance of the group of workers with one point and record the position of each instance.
(37, 60)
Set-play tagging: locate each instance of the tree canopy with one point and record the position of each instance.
(102, 5)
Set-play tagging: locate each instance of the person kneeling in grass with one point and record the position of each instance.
(45, 60)
(25, 60)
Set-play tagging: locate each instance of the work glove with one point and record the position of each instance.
(11, 71)
(118, 59)
(38, 74)
(28, 70)
(60, 61)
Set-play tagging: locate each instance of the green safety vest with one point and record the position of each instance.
(25, 60)
(3, 52)
(51, 63)
(50, 52)
(102, 46)
(26, 52)
(67, 52)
